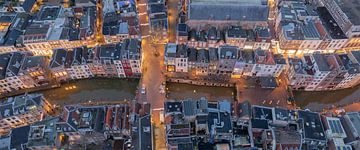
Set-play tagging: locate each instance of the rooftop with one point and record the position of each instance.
(261, 112)
(268, 82)
(334, 125)
(19, 136)
(213, 54)
(49, 12)
(287, 137)
(19, 104)
(43, 133)
(4, 61)
(220, 121)
(321, 62)
(85, 117)
(228, 11)
(181, 51)
(351, 9)
(312, 125)
(14, 64)
(228, 52)
(292, 31)
(260, 123)
(202, 56)
(58, 58)
(34, 61)
(310, 32)
(173, 107)
(330, 24)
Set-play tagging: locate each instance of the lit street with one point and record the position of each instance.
(152, 76)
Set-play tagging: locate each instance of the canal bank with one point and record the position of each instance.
(95, 90)
(317, 101)
(181, 91)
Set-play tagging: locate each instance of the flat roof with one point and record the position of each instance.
(261, 112)
(312, 125)
(321, 62)
(351, 8)
(330, 24)
(238, 12)
(244, 2)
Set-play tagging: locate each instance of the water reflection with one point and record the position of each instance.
(318, 100)
(95, 90)
(180, 91)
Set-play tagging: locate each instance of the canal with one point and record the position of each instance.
(317, 101)
(92, 90)
(118, 90)
(180, 91)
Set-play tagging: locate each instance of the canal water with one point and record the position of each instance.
(179, 91)
(118, 90)
(93, 90)
(318, 101)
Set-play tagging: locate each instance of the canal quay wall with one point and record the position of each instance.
(54, 85)
(199, 82)
(30, 90)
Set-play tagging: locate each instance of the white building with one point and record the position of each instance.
(268, 64)
(77, 66)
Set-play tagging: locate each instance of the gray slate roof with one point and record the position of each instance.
(228, 12)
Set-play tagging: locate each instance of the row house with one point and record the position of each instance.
(214, 37)
(236, 36)
(77, 63)
(300, 73)
(114, 29)
(351, 76)
(21, 110)
(158, 18)
(332, 70)
(351, 63)
(225, 60)
(198, 39)
(95, 65)
(228, 56)
(182, 33)
(18, 24)
(304, 29)
(176, 58)
(244, 65)
(117, 60)
(268, 64)
(55, 27)
(109, 60)
(131, 57)
(109, 120)
(4, 60)
(262, 38)
(202, 62)
(12, 79)
(57, 65)
(324, 71)
(22, 70)
(214, 61)
(258, 37)
(34, 71)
